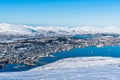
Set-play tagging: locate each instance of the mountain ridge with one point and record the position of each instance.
(11, 29)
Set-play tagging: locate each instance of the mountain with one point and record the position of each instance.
(9, 31)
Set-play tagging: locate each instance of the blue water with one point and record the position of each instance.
(107, 51)
(82, 36)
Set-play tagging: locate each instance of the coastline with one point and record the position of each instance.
(101, 66)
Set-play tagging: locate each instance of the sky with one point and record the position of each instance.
(61, 12)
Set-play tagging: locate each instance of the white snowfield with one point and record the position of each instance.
(79, 68)
(12, 29)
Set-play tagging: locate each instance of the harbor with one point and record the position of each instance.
(92, 51)
(26, 54)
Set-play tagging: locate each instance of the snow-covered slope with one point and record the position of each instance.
(47, 30)
(77, 62)
(15, 29)
(85, 68)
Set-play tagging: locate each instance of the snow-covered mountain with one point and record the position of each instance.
(15, 29)
(11, 32)
(11, 29)
(79, 68)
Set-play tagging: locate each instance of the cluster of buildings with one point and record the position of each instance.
(29, 51)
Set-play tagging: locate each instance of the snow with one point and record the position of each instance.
(14, 29)
(79, 68)
(58, 30)
(85, 62)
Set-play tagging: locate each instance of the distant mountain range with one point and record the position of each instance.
(10, 30)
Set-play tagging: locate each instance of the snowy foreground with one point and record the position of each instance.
(85, 68)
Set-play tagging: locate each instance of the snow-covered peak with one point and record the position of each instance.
(14, 29)
(56, 30)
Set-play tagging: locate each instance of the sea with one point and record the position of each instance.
(91, 51)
